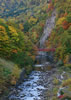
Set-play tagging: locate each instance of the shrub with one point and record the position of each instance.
(65, 25)
(68, 18)
(9, 74)
(68, 65)
(28, 69)
(67, 82)
(56, 81)
(60, 20)
(15, 75)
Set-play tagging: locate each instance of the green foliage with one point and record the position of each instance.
(8, 71)
(14, 44)
(26, 26)
(66, 82)
(68, 66)
(69, 17)
(61, 37)
(22, 59)
(55, 81)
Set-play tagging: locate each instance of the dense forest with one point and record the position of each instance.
(21, 26)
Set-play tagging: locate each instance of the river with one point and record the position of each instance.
(35, 87)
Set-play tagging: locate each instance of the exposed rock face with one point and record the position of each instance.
(50, 23)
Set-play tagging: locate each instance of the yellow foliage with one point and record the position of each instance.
(66, 59)
(56, 81)
(15, 74)
(32, 20)
(13, 31)
(33, 57)
(67, 82)
(21, 26)
(60, 20)
(16, 71)
(3, 34)
(13, 81)
(2, 29)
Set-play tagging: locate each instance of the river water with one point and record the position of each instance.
(31, 89)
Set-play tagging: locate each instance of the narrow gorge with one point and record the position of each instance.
(36, 86)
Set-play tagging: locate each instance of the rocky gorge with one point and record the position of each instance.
(45, 82)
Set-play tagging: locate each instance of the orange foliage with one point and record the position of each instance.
(33, 30)
(35, 49)
(14, 51)
(41, 24)
(69, 24)
(66, 59)
(33, 57)
(65, 14)
(65, 25)
(50, 7)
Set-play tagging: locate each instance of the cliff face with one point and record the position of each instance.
(50, 24)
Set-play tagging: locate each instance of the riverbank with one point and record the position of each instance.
(35, 87)
(43, 85)
(11, 75)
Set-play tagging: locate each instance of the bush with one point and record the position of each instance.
(15, 75)
(68, 66)
(22, 59)
(9, 74)
(69, 18)
(67, 82)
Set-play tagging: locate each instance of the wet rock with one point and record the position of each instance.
(28, 84)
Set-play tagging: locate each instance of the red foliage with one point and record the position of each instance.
(61, 96)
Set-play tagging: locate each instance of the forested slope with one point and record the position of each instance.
(15, 46)
(60, 37)
(21, 25)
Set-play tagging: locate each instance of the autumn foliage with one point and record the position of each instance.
(65, 25)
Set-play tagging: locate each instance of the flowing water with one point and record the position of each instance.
(37, 83)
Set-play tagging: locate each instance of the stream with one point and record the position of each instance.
(35, 87)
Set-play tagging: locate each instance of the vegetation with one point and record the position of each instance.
(15, 47)
(9, 74)
(21, 25)
(60, 37)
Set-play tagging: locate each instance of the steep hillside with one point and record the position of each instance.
(60, 37)
(14, 44)
(20, 8)
(9, 74)
(21, 26)
(30, 15)
(16, 47)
